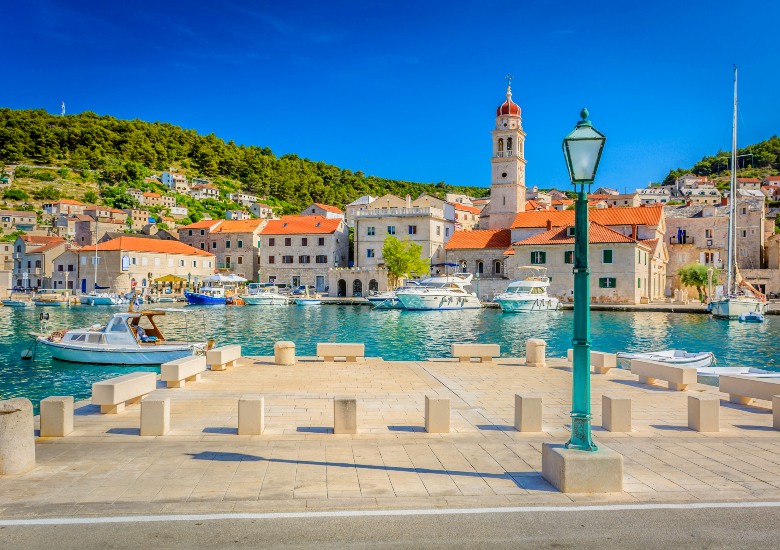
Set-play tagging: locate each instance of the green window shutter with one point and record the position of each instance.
(544, 257)
(638, 282)
(568, 257)
(606, 256)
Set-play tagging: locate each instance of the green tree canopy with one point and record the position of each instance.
(403, 259)
(15, 195)
(696, 275)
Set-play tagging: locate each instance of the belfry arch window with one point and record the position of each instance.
(500, 144)
(509, 144)
(497, 267)
(480, 267)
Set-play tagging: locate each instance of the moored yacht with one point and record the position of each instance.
(528, 293)
(440, 292)
(264, 295)
(131, 338)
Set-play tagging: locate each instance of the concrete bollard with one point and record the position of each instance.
(528, 414)
(437, 415)
(615, 413)
(344, 415)
(155, 415)
(535, 352)
(776, 412)
(284, 353)
(703, 413)
(251, 415)
(17, 436)
(57, 416)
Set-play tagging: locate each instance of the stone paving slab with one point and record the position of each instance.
(298, 464)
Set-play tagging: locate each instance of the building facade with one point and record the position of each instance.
(234, 243)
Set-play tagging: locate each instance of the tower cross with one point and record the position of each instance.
(508, 78)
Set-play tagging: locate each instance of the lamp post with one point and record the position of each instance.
(582, 149)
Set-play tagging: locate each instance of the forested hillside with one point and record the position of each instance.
(128, 150)
(756, 160)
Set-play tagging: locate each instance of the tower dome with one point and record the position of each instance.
(508, 107)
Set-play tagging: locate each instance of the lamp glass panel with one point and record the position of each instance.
(583, 155)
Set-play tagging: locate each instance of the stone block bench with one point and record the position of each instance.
(178, 372)
(678, 378)
(484, 352)
(223, 357)
(350, 352)
(114, 393)
(742, 389)
(599, 360)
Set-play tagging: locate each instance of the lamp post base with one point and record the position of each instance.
(581, 439)
(576, 471)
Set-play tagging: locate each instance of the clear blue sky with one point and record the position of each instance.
(408, 90)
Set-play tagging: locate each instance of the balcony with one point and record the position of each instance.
(687, 239)
(18, 255)
(412, 212)
(502, 154)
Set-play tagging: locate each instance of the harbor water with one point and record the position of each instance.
(391, 334)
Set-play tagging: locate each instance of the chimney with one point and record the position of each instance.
(408, 201)
(633, 231)
(549, 224)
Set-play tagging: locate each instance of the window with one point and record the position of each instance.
(214, 245)
(304, 241)
(371, 231)
(203, 246)
(287, 259)
(568, 257)
(497, 267)
(744, 210)
(304, 259)
(321, 241)
(607, 282)
(570, 231)
(144, 260)
(202, 231)
(708, 233)
(195, 263)
(322, 259)
(71, 267)
(391, 230)
(638, 282)
(446, 231)
(606, 256)
(438, 230)
(59, 268)
(181, 263)
(271, 241)
(133, 261)
(288, 241)
(480, 267)
(744, 233)
(369, 253)
(240, 244)
(271, 259)
(538, 257)
(227, 244)
(190, 232)
(413, 230)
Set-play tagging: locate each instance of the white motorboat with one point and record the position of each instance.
(308, 298)
(96, 298)
(528, 293)
(740, 297)
(389, 298)
(440, 292)
(130, 338)
(675, 357)
(264, 295)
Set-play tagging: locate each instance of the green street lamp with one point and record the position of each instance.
(582, 149)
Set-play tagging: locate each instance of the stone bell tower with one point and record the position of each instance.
(507, 182)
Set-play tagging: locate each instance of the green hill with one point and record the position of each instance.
(755, 161)
(116, 152)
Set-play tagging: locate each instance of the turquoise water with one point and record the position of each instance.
(392, 334)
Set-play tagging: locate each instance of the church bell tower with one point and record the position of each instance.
(507, 182)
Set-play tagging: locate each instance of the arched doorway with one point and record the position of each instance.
(357, 288)
(373, 285)
(342, 288)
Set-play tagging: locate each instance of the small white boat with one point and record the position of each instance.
(17, 303)
(528, 293)
(96, 298)
(308, 298)
(389, 298)
(264, 295)
(752, 317)
(131, 338)
(50, 297)
(675, 357)
(440, 292)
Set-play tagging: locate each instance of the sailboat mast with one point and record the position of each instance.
(733, 194)
(95, 267)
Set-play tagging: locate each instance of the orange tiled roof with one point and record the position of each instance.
(480, 238)
(155, 195)
(46, 247)
(301, 225)
(748, 180)
(773, 178)
(329, 208)
(598, 196)
(467, 208)
(559, 235)
(41, 239)
(630, 215)
(650, 243)
(141, 244)
(531, 204)
(69, 201)
(563, 201)
(203, 224)
(238, 226)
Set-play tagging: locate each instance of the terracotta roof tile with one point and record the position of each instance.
(480, 238)
(140, 244)
(630, 215)
(650, 243)
(238, 226)
(203, 224)
(156, 195)
(302, 225)
(598, 234)
(329, 208)
(531, 204)
(467, 208)
(46, 247)
(69, 201)
(41, 239)
(748, 180)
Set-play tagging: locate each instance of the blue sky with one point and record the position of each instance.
(408, 90)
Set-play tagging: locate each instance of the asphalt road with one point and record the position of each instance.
(626, 529)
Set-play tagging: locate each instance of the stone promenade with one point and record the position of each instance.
(298, 464)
